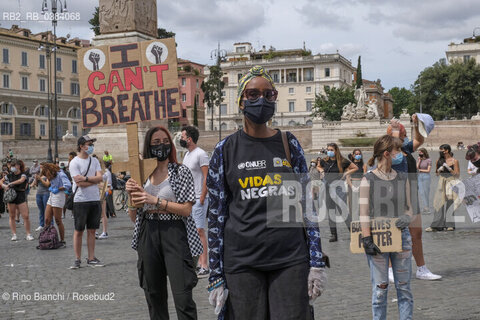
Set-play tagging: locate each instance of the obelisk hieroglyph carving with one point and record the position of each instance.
(117, 16)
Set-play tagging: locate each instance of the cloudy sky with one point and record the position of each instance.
(396, 39)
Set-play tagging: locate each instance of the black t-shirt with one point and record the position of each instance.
(387, 197)
(359, 173)
(332, 172)
(14, 177)
(254, 171)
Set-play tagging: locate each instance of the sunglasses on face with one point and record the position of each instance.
(254, 94)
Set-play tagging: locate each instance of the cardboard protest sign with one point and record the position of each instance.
(386, 236)
(129, 83)
(469, 191)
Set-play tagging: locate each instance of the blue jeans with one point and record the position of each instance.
(42, 205)
(424, 189)
(402, 271)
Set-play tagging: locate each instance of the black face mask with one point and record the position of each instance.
(476, 163)
(161, 151)
(183, 143)
(442, 155)
(259, 111)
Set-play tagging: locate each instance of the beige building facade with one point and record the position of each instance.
(462, 52)
(25, 61)
(298, 75)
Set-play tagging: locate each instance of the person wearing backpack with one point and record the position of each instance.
(56, 200)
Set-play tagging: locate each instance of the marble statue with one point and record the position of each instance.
(348, 112)
(360, 96)
(476, 117)
(68, 136)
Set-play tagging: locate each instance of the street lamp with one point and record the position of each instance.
(48, 50)
(219, 55)
(63, 8)
(474, 36)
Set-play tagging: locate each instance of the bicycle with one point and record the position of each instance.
(121, 201)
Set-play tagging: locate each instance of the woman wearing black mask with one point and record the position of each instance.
(165, 236)
(271, 271)
(448, 170)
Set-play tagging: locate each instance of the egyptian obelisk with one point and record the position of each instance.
(123, 21)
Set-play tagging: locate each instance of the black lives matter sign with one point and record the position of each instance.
(386, 236)
(129, 83)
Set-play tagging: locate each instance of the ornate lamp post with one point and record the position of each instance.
(54, 8)
(48, 50)
(219, 55)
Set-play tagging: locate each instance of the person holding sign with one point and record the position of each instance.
(163, 234)
(386, 192)
(271, 273)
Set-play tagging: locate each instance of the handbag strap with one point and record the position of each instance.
(88, 168)
(286, 146)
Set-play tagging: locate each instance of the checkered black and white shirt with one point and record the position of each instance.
(181, 181)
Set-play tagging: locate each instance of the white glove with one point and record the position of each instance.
(317, 281)
(446, 166)
(217, 298)
(355, 189)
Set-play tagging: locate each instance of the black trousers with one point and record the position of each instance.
(334, 208)
(163, 251)
(261, 295)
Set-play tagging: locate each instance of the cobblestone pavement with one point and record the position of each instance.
(26, 273)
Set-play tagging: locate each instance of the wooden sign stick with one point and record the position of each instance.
(140, 169)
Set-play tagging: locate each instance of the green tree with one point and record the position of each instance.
(359, 81)
(195, 112)
(331, 104)
(95, 22)
(163, 33)
(212, 90)
(448, 90)
(402, 98)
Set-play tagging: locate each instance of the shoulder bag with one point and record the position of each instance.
(71, 196)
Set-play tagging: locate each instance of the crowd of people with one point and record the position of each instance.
(251, 265)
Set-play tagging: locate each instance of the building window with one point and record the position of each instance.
(74, 66)
(58, 65)
(42, 85)
(291, 106)
(308, 76)
(466, 58)
(59, 131)
(308, 89)
(223, 93)
(309, 105)
(59, 86)
(75, 113)
(24, 83)
(292, 77)
(275, 77)
(75, 130)
(223, 109)
(6, 108)
(42, 61)
(184, 82)
(291, 90)
(240, 50)
(327, 72)
(184, 113)
(6, 81)
(25, 129)
(42, 111)
(42, 130)
(197, 83)
(184, 97)
(74, 89)
(6, 128)
(24, 59)
(5, 59)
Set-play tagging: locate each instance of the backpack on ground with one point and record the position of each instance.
(48, 239)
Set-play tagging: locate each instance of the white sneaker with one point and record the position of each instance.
(104, 235)
(391, 279)
(39, 229)
(424, 274)
(14, 237)
(29, 238)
